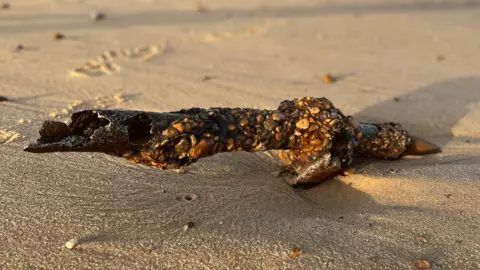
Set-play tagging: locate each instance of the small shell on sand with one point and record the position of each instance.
(72, 243)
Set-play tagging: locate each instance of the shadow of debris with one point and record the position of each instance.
(431, 111)
(48, 21)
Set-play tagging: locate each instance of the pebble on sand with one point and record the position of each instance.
(97, 15)
(5, 5)
(295, 253)
(188, 226)
(2, 98)
(19, 47)
(421, 264)
(200, 7)
(328, 79)
(58, 36)
(72, 243)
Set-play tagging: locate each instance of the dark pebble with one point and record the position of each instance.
(2, 98)
(19, 47)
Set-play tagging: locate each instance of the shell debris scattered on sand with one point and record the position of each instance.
(72, 243)
(104, 64)
(7, 136)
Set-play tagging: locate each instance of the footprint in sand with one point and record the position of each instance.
(104, 64)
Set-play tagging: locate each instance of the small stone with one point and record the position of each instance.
(200, 150)
(314, 110)
(182, 146)
(72, 243)
(231, 127)
(316, 142)
(97, 15)
(199, 7)
(278, 116)
(269, 124)
(421, 264)
(448, 195)
(179, 127)
(5, 5)
(278, 136)
(206, 78)
(58, 36)
(396, 99)
(171, 132)
(303, 123)
(260, 118)
(328, 79)
(421, 239)
(19, 47)
(21, 121)
(392, 171)
(295, 252)
(244, 122)
(2, 98)
(188, 226)
(193, 140)
(439, 58)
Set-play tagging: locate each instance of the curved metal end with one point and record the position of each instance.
(420, 147)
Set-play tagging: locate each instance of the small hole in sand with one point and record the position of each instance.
(186, 197)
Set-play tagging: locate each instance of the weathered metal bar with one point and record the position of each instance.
(317, 140)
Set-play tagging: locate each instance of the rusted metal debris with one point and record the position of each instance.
(315, 139)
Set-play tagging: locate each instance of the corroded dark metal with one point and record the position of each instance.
(317, 141)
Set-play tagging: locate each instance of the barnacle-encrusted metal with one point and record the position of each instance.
(315, 138)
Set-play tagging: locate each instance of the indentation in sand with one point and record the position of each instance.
(105, 64)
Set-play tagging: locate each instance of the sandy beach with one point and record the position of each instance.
(415, 62)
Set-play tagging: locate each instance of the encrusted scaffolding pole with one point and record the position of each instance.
(317, 141)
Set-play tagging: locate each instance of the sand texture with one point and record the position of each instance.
(416, 62)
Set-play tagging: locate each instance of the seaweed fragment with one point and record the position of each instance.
(316, 140)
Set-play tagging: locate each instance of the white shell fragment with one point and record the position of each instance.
(72, 243)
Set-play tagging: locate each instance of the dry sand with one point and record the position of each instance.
(416, 62)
